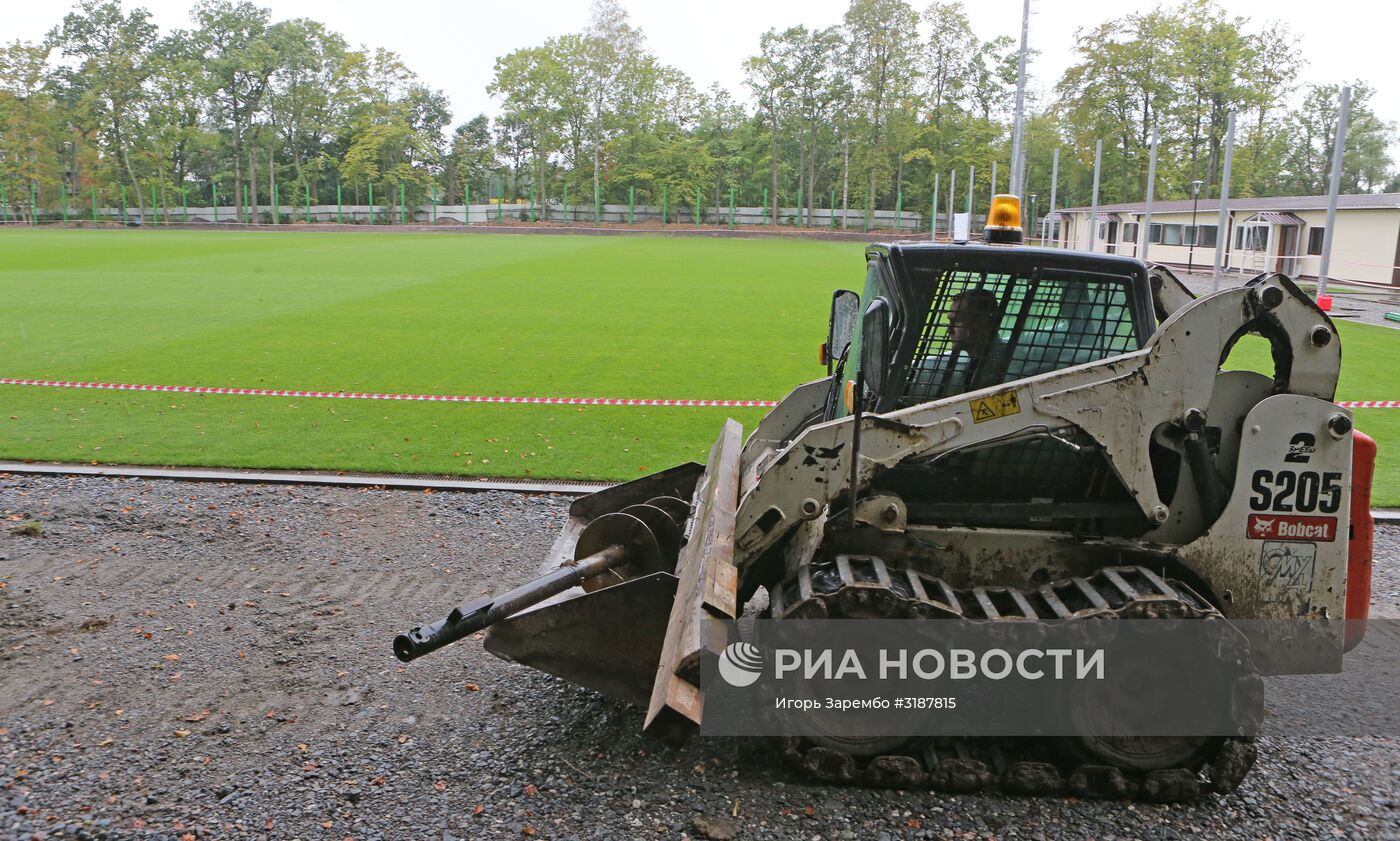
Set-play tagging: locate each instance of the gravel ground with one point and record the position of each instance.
(188, 660)
(1364, 305)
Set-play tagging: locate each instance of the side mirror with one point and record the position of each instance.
(841, 326)
(874, 346)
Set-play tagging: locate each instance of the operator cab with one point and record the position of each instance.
(941, 320)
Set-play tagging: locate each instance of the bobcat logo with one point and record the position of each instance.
(1263, 527)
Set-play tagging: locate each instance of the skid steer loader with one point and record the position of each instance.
(1005, 434)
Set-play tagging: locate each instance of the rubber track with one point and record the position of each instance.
(1025, 766)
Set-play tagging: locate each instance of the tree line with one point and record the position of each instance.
(864, 114)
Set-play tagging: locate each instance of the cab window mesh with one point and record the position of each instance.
(1041, 324)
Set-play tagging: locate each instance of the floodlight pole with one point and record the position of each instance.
(971, 186)
(933, 222)
(1018, 166)
(1145, 231)
(1094, 199)
(1195, 200)
(1224, 203)
(1337, 151)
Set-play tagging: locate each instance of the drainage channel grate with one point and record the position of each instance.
(415, 481)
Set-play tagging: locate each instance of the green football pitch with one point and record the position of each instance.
(556, 316)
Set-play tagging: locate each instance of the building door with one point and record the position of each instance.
(1112, 238)
(1288, 250)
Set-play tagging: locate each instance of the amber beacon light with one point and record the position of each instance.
(1004, 219)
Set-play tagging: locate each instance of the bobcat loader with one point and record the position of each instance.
(1005, 434)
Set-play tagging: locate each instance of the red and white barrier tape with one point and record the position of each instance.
(432, 398)
(479, 398)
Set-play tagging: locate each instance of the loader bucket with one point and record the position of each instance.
(628, 636)
(608, 641)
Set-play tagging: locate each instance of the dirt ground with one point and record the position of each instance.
(201, 660)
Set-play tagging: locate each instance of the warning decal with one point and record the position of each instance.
(997, 406)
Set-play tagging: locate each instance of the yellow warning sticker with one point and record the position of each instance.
(997, 406)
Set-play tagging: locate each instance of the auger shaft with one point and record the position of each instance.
(477, 614)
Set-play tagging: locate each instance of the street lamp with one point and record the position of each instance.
(1032, 225)
(1195, 232)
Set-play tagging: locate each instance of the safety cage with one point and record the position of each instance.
(1039, 312)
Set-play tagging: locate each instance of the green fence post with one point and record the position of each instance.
(898, 210)
(63, 191)
(466, 204)
(868, 201)
(532, 204)
(403, 206)
(307, 194)
(663, 204)
(276, 205)
(731, 207)
(434, 204)
(4, 202)
(597, 205)
(33, 203)
(246, 207)
(832, 215)
(215, 196)
(339, 208)
(631, 205)
(765, 205)
(501, 203)
(797, 220)
(697, 207)
(94, 205)
(568, 217)
(123, 217)
(371, 202)
(933, 216)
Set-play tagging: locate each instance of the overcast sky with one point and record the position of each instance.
(452, 44)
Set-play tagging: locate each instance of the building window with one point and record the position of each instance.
(1155, 233)
(1130, 231)
(1206, 236)
(1171, 234)
(1315, 240)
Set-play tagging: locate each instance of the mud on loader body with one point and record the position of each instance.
(1089, 459)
